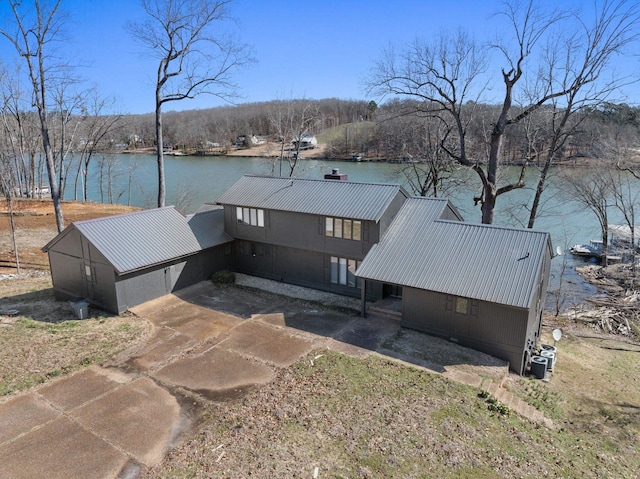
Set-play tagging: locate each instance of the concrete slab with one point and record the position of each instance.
(60, 449)
(164, 345)
(137, 417)
(167, 301)
(231, 300)
(368, 333)
(190, 319)
(315, 321)
(348, 349)
(267, 343)
(217, 374)
(21, 414)
(72, 391)
(201, 323)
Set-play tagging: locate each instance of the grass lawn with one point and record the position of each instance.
(376, 418)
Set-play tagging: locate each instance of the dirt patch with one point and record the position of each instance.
(36, 226)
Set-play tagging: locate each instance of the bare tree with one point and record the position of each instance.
(292, 121)
(626, 198)
(574, 64)
(95, 127)
(67, 104)
(34, 39)
(7, 188)
(444, 73)
(21, 134)
(192, 58)
(591, 187)
(418, 142)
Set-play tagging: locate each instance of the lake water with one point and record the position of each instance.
(192, 181)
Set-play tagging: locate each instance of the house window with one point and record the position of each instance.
(343, 271)
(328, 227)
(250, 216)
(461, 305)
(343, 228)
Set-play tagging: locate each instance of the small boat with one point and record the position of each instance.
(592, 250)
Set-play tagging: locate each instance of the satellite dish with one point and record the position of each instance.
(558, 251)
(557, 334)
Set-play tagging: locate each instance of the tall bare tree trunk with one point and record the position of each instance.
(13, 230)
(51, 171)
(160, 152)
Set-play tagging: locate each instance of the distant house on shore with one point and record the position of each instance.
(307, 142)
(478, 285)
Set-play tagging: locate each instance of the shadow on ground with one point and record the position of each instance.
(345, 329)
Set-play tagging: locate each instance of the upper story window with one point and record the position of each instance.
(250, 216)
(343, 228)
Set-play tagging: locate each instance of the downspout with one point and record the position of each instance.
(363, 299)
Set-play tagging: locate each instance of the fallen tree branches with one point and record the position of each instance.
(617, 311)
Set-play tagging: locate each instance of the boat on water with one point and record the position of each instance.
(592, 250)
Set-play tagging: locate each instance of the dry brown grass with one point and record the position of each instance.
(41, 339)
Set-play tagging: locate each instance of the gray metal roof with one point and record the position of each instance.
(365, 201)
(133, 241)
(483, 262)
(208, 227)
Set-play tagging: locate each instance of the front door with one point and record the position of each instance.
(88, 273)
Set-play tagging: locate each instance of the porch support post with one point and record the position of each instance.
(363, 299)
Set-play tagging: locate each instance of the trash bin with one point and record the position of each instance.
(80, 308)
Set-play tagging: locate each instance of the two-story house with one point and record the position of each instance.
(479, 285)
(312, 233)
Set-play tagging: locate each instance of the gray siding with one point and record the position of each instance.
(494, 329)
(388, 216)
(139, 287)
(291, 265)
(301, 231)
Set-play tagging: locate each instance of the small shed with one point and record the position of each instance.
(478, 285)
(121, 261)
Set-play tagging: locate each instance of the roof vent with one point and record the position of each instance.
(335, 175)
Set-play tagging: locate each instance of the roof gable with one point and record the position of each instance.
(365, 201)
(207, 226)
(449, 257)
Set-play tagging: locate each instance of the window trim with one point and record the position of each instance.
(250, 216)
(342, 272)
(336, 227)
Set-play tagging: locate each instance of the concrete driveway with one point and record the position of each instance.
(218, 342)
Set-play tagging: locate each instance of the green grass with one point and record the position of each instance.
(378, 418)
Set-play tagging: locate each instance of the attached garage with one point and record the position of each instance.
(478, 285)
(121, 261)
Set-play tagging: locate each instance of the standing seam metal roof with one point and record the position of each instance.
(365, 201)
(482, 262)
(133, 241)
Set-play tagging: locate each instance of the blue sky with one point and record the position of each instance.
(304, 49)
